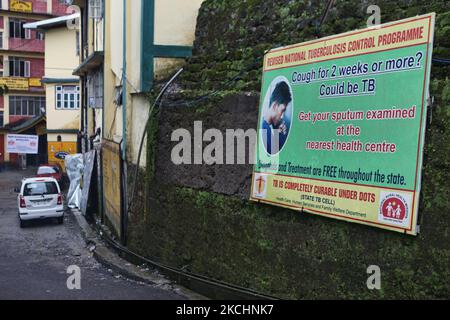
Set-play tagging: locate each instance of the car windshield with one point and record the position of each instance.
(40, 188)
(46, 170)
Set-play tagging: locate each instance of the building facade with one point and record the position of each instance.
(62, 89)
(22, 67)
(127, 46)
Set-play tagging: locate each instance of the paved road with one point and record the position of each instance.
(34, 260)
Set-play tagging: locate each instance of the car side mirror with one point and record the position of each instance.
(16, 190)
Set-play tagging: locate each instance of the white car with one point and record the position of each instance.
(40, 198)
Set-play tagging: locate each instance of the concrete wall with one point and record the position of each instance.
(112, 69)
(37, 67)
(60, 60)
(65, 137)
(175, 21)
(174, 27)
(60, 54)
(56, 7)
(26, 44)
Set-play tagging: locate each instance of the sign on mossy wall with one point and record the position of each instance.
(342, 125)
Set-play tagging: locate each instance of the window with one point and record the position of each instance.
(95, 9)
(40, 35)
(19, 67)
(16, 29)
(40, 189)
(95, 89)
(1, 119)
(67, 97)
(1, 40)
(26, 105)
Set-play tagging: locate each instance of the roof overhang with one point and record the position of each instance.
(52, 23)
(94, 61)
(60, 80)
(25, 125)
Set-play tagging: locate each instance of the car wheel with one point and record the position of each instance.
(61, 220)
(22, 223)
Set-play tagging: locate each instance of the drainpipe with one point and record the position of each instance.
(124, 83)
(124, 215)
(102, 194)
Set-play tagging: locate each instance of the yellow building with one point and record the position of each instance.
(90, 70)
(127, 45)
(63, 105)
(159, 36)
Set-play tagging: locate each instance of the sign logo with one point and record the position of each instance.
(61, 155)
(394, 208)
(21, 6)
(260, 186)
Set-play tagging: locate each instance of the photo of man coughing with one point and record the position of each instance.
(275, 128)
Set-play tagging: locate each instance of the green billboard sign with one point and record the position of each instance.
(342, 125)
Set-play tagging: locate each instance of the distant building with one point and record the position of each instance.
(22, 67)
(62, 51)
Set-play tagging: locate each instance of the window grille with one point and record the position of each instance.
(95, 9)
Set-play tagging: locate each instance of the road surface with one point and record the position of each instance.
(34, 260)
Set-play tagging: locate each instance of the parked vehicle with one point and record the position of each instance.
(39, 198)
(51, 171)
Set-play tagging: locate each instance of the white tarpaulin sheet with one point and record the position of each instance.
(74, 168)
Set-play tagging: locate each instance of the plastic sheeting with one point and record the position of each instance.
(89, 159)
(74, 168)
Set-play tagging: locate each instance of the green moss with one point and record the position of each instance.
(152, 139)
(240, 242)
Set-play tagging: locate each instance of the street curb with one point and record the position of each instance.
(114, 262)
(88, 234)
